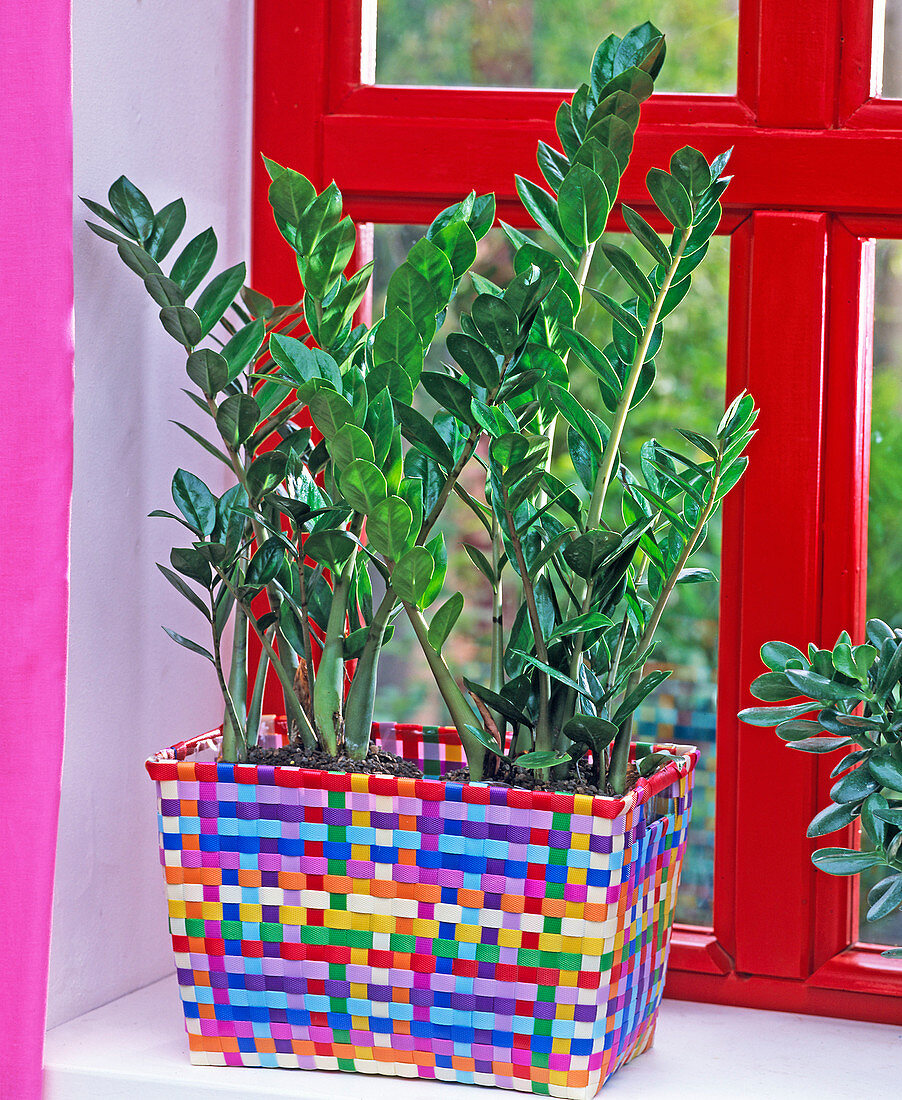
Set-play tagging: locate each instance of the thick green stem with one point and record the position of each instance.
(255, 707)
(362, 692)
(496, 680)
(235, 738)
(462, 714)
(328, 694)
(293, 708)
(235, 752)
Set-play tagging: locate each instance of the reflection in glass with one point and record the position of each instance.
(546, 43)
(884, 592)
(689, 391)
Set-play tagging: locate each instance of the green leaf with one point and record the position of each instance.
(330, 411)
(134, 256)
(363, 485)
(188, 644)
(481, 562)
(820, 688)
(583, 205)
(396, 339)
(266, 472)
(645, 687)
(218, 295)
(670, 197)
(773, 687)
(831, 819)
(457, 242)
(332, 547)
(208, 370)
(179, 585)
(497, 322)
(474, 359)
(689, 167)
(773, 716)
(348, 444)
(696, 576)
(592, 620)
(585, 729)
(886, 770)
(499, 703)
(194, 261)
(854, 786)
(450, 394)
(183, 324)
(627, 267)
(237, 418)
(646, 236)
(542, 759)
(243, 346)
(388, 527)
(541, 206)
(485, 739)
(649, 764)
(443, 621)
(131, 208)
(777, 655)
(265, 563)
(168, 224)
(412, 574)
(290, 195)
(410, 292)
(576, 416)
(426, 257)
(417, 430)
(163, 291)
(191, 564)
(554, 673)
(845, 861)
(195, 501)
(319, 217)
(818, 744)
(329, 258)
(888, 898)
(616, 135)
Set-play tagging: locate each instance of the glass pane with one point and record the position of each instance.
(888, 55)
(546, 43)
(884, 592)
(689, 391)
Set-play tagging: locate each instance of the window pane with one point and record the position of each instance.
(546, 43)
(884, 592)
(689, 391)
(889, 57)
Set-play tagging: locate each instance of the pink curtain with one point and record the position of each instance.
(35, 487)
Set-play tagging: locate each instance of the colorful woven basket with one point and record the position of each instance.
(418, 928)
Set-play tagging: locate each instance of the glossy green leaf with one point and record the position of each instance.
(363, 485)
(831, 819)
(237, 418)
(333, 548)
(319, 217)
(266, 562)
(396, 339)
(134, 256)
(131, 208)
(195, 501)
(417, 430)
(388, 527)
(777, 655)
(330, 411)
(845, 861)
(854, 786)
(819, 744)
(168, 224)
(644, 688)
(586, 729)
(194, 261)
(208, 370)
(886, 770)
(450, 394)
(497, 322)
(164, 291)
(426, 257)
(583, 205)
(348, 444)
(691, 169)
(290, 195)
(410, 292)
(242, 348)
(547, 759)
(542, 208)
(458, 243)
(266, 472)
(329, 258)
(885, 899)
(474, 359)
(218, 295)
(179, 585)
(188, 644)
(630, 271)
(646, 236)
(616, 135)
(411, 576)
(820, 687)
(670, 197)
(576, 416)
(443, 621)
(773, 716)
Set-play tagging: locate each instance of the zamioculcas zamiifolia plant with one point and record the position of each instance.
(338, 528)
(855, 691)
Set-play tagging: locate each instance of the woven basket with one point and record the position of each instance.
(417, 928)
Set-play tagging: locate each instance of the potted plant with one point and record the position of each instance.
(330, 906)
(855, 690)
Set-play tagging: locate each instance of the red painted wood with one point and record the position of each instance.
(698, 949)
(856, 85)
(797, 62)
(779, 585)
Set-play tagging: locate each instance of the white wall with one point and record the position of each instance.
(162, 92)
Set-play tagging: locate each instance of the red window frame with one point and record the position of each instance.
(816, 161)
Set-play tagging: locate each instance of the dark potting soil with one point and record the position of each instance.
(380, 762)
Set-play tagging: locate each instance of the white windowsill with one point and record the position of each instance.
(135, 1049)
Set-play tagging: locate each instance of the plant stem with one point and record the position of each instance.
(237, 750)
(609, 455)
(461, 712)
(362, 692)
(235, 738)
(328, 697)
(496, 681)
(255, 707)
